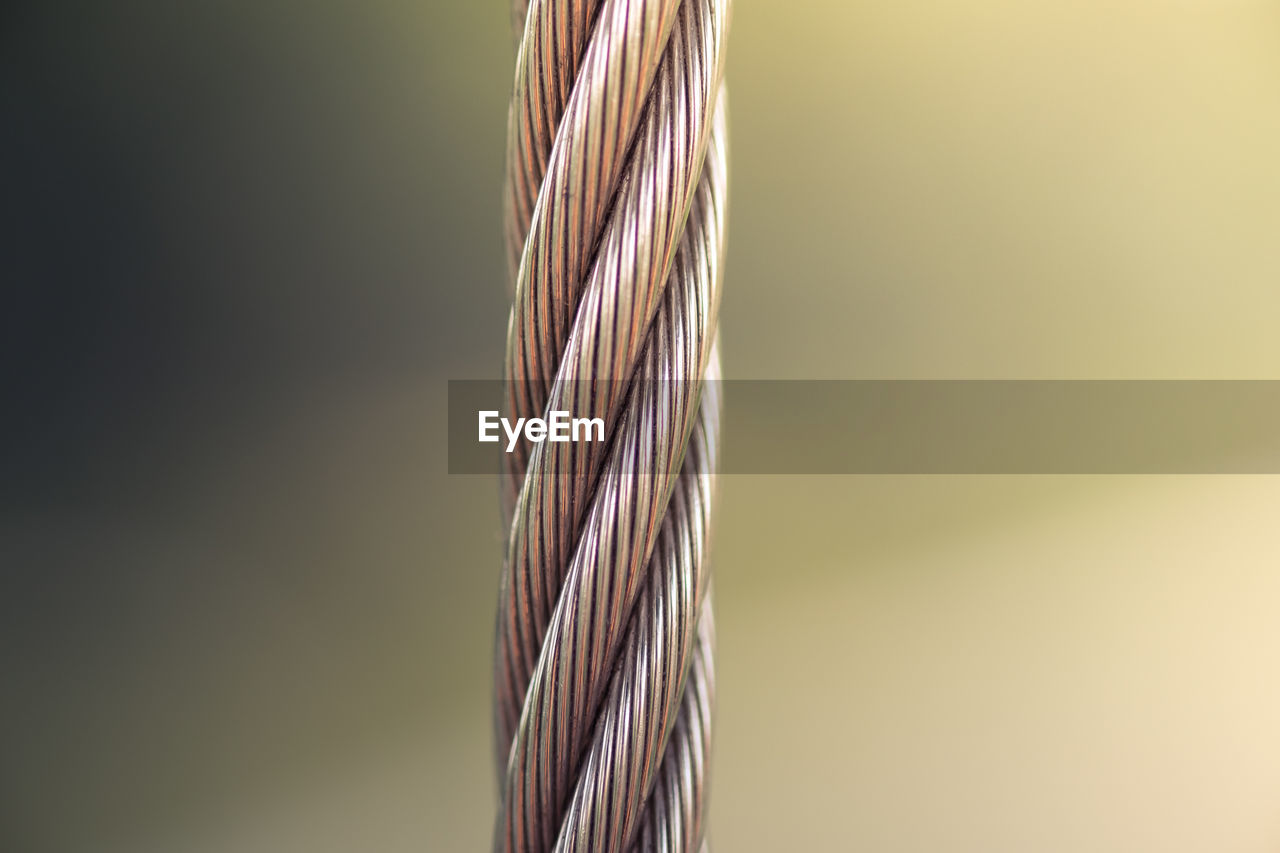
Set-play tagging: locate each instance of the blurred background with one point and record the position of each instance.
(245, 245)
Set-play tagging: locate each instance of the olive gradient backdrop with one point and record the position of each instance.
(244, 608)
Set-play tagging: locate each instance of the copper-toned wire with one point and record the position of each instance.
(615, 206)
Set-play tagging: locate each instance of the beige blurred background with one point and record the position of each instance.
(245, 608)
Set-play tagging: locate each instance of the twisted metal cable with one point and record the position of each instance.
(615, 230)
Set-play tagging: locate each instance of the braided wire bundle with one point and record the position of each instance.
(615, 215)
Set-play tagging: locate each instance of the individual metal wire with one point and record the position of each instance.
(615, 230)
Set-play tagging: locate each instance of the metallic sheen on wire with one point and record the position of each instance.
(615, 210)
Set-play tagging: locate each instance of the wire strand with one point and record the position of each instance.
(615, 219)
